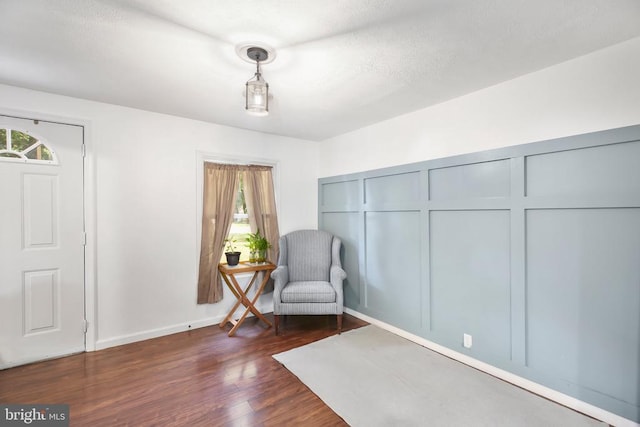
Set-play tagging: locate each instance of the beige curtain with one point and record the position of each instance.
(219, 195)
(261, 204)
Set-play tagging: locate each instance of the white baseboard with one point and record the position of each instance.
(556, 396)
(168, 330)
(155, 333)
(28, 360)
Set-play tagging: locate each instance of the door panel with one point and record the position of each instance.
(40, 301)
(42, 248)
(39, 210)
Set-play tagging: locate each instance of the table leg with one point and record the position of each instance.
(238, 293)
(250, 305)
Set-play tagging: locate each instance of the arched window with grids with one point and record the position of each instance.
(18, 146)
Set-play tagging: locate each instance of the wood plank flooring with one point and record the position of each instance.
(196, 378)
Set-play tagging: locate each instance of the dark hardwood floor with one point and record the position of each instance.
(196, 378)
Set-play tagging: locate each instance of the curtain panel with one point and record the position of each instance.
(219, 194)
(261, 204)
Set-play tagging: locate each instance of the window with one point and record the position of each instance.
(240, 227)
(22, 147)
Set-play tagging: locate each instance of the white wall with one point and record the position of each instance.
(144, 243)
(594, 92)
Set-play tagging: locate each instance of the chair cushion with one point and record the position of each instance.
(316, 291)
(309, 255)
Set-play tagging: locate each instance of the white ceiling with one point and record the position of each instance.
(340, 65)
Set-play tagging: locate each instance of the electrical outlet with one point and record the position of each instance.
(467, 340)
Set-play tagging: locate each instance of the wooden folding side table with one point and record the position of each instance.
(228, 273)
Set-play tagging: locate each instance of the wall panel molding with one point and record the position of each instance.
(531, 249)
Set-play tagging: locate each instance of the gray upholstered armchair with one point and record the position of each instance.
(308, 279)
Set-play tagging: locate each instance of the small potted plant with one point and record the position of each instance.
(233, 256)
(258, 245)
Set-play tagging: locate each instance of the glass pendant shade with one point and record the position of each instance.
(256, 89)
(257, 97)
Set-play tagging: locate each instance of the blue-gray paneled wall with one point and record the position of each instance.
(533, 250)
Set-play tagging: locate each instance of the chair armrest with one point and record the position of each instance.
(280, 278)
(337, 276)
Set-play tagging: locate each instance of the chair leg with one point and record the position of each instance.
(276, 322)
(339, 321)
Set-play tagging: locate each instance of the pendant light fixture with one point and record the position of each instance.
(257, 89)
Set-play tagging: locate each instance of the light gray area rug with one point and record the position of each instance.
(371, 377)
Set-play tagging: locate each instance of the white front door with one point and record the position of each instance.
(41, 241)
